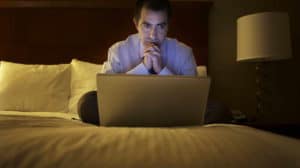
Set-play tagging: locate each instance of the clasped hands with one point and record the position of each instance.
(152, 58)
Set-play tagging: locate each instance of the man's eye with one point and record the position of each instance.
(161, 26)
(146, 25)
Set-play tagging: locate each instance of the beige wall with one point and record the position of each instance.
(234, 83)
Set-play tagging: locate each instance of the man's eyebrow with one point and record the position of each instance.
(162, 23)
(144, 22)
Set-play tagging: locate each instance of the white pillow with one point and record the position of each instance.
(201, 70)
(34, 87)
(83, 80)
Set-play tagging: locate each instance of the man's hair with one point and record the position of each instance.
(154, 5)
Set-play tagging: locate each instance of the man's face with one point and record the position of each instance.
(152, 26)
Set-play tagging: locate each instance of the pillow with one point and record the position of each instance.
(83, 80)
(34, 87)
(201, 70)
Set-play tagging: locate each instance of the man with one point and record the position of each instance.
(147, 52)
(150, 51)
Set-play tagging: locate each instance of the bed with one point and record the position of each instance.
(54, 141)
(50, 52)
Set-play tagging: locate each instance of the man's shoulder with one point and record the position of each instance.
(178, 45)
(131, 40)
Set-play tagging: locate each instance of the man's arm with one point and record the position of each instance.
(114, 65)
(189, 66)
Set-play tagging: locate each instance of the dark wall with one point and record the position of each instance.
(51, 32)
(234, 82)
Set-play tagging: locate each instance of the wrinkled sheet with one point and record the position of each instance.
(55, 141)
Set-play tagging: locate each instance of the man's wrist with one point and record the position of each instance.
(152, 71)
(159, 70)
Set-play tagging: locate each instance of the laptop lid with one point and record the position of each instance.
(137, 100)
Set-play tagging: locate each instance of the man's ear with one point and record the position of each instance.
(136, 24)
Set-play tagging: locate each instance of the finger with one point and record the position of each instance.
(152, 48)
(156, 64)
(153, 45)
(147, 54)
(152, 52)
(156, 47)
(156, 54)
(147, 61)
(154, 60)
(147, 44)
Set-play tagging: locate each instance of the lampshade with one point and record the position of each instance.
(263, 37)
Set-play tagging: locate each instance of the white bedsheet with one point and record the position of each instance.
(42, 114)
(32, 141)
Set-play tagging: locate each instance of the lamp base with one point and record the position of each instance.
(264, 89)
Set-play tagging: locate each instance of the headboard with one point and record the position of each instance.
(52, 32)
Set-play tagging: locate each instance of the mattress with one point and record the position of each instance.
(59, 140)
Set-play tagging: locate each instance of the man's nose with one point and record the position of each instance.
(153, 33)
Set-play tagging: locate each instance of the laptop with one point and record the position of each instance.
(151, 100)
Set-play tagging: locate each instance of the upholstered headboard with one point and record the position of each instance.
(51, 32)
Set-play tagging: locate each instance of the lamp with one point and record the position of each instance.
(263, 37)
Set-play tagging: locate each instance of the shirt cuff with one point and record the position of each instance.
(139, 70)
(165, 71)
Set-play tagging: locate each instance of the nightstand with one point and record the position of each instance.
(291, 130)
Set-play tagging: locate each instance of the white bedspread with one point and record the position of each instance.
(55, 141)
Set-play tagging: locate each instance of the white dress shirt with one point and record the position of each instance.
(126, 57)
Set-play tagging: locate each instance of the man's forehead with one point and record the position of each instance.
(153, 17)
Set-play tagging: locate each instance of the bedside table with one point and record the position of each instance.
(291, 130)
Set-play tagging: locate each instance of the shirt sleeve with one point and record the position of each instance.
(189, 66)
(113, 64)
